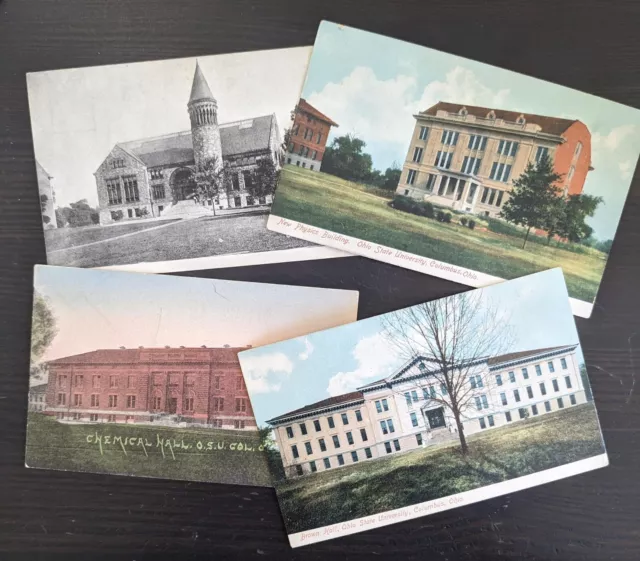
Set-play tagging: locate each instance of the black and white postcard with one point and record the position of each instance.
(136, 374)
(427, 408)
(452, 167)
(168, 165)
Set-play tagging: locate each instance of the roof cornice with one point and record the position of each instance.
(313, 412)
(532, 358)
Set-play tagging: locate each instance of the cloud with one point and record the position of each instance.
(626, 169)
(308, 349)
(375, 358)
(266, 373)
(613, 139)
(382, 110)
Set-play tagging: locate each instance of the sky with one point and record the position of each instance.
(291, 374)
(372, 85)
(78, 115)
(97, 309)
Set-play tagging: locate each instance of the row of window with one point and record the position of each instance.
(428, 392)
(130, 185)
(482, 403)
(330, 422)
(523, 412)
(492, 196)
(303, 151)
(308, 134)
(174, 379)
(538, 368)
(336, 442)
(304, 164)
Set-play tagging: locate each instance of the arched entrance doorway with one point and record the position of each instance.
(183, 184)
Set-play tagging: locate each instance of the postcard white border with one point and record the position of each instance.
(398, 257)
(231, 260)
(410, 512)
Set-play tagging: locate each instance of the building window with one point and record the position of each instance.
(507, 416)
(314, 156)
(567, 380)
(378, 406)
(319, 138)
(411, 176)
(158, 192)
(443, 388)
(477, 142)
(239, 383)
(216, 383)
(95, 382)
(248, 178)
(332, 425)
(560, 403)
(481, 402)
(529, 392)
(417, 154)
(522, 412)
(424, 131)
(541, 152)
(303, 428)
(262, 200)
(483, 425)
(218, 403)
(294, 451)
(503, 398)
(572, 169)
(345, 418)
(443, 159)
(340, 460)
(551, 367)
(490, 420)
(572, 399)
(476, 381)
(77, 399)
(95, 400)
(307, 447)
(556, 388)
(512, 377)
(157, 402)
(363, 435)
(383, 426)
(396, 445)
(470, 165)
(414, 396)
(113, 381)
(113, 401)
(516, 395)
(414, 419)
(407, 396)
(131, 402)
(238, 424)
(543, 389)
(500, 172)
(131, 193)
(534, 409)
(538, 370)
(327, 463)
(188, 404)
(507, 148)
(313, 467)
(354, 456)
(563, 363)
(387, 447)
(117, 163)
(336, 441)
(525, 373)
(358, 416)
(322, 444)
(449, 138)
(499, 379)
(78, 380)
(350, 437)
(235, 182)
(113, 192)
(316, 425)
(547, 406)
(299, 469)
(367, 453)
(93, 417)
(241, 405)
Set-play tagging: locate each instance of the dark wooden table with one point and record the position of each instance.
(591, 45)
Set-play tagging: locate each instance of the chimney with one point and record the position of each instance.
(203, 346)
(123, 347)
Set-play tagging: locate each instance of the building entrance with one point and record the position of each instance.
(435, 417)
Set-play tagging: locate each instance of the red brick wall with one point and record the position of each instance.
(565, 157)
(302, 123)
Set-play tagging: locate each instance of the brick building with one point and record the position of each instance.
(192, 385)
(467, 157)
(309, 134)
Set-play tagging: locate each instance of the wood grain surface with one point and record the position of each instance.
(591, 45)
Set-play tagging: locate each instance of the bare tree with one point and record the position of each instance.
(454, 336)
(212, 179)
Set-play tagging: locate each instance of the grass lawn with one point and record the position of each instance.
(183, 239)
(438, 471)
(328, 202)
(54, 445)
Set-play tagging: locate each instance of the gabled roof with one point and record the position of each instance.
(304, 105)
(199, 88)
(509, 357)
(549, 125)
(238, 137)
(133, 356)
(323, 404)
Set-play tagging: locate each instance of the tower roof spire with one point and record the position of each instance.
(200, 88)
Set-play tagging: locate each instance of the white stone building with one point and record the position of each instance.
(405, 410)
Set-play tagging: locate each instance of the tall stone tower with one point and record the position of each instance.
(203, 112)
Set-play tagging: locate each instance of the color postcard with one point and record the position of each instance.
(427, 408)
(136, 374)
(167, 165)
(454, 168)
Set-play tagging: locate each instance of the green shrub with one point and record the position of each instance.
(447, 217)
(472, 224)
(463, 221)
(407, 204)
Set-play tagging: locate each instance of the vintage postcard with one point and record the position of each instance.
(166, 166)
(452, 167)
(427, 408)
(136, 374)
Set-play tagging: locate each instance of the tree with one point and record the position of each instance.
(271, 450)
(79, 214)
(43, 327)
(43, 202)
(117, 215)
(454, 336)
(604, 246)
(534, 194)
(391, 177)
(212, 179)
(577, 208)
(264, 179)
(345, 158)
